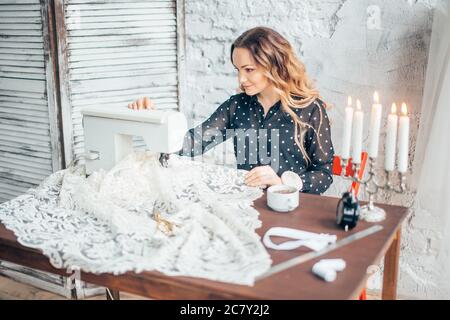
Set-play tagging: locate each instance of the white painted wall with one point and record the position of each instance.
(426, 253)
(344, 52)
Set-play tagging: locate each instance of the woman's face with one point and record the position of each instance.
(250, 76)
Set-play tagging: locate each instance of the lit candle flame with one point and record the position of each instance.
(376, 97)
(404, 109)
(358, 104)
(394, 108)
(349, 101)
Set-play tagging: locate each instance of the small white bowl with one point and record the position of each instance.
(282, 198)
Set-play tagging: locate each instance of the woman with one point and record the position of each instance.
(278, 123)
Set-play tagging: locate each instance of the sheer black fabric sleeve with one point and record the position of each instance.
(318, 176)
(210, 132)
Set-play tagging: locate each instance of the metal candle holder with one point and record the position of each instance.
(372, 185)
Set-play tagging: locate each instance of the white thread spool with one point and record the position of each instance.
(323, 272)
(334, 264)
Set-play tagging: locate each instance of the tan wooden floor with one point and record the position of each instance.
(13, 290)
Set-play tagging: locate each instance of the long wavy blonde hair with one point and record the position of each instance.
(285, 71)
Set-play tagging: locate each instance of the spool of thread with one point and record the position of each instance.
(323, 272)
(334, 264)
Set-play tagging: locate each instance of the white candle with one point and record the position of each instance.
(391, 137)
(346, 138)
(403, 140)
(375, 125)
(358, 120)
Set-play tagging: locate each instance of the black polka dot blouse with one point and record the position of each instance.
(269, 139)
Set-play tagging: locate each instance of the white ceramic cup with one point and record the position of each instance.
(282, 198)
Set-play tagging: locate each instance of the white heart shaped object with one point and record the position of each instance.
(292, 179)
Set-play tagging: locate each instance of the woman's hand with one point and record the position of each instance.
(142, 103)
(262, 177)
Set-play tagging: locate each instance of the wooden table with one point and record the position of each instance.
(316, 214)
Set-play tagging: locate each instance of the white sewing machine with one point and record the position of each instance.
(109, 131)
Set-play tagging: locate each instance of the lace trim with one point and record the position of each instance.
(111, 221)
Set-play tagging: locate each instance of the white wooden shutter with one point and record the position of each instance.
(115, 51)
(28, 128)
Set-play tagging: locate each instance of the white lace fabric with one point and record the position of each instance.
(106, 223)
